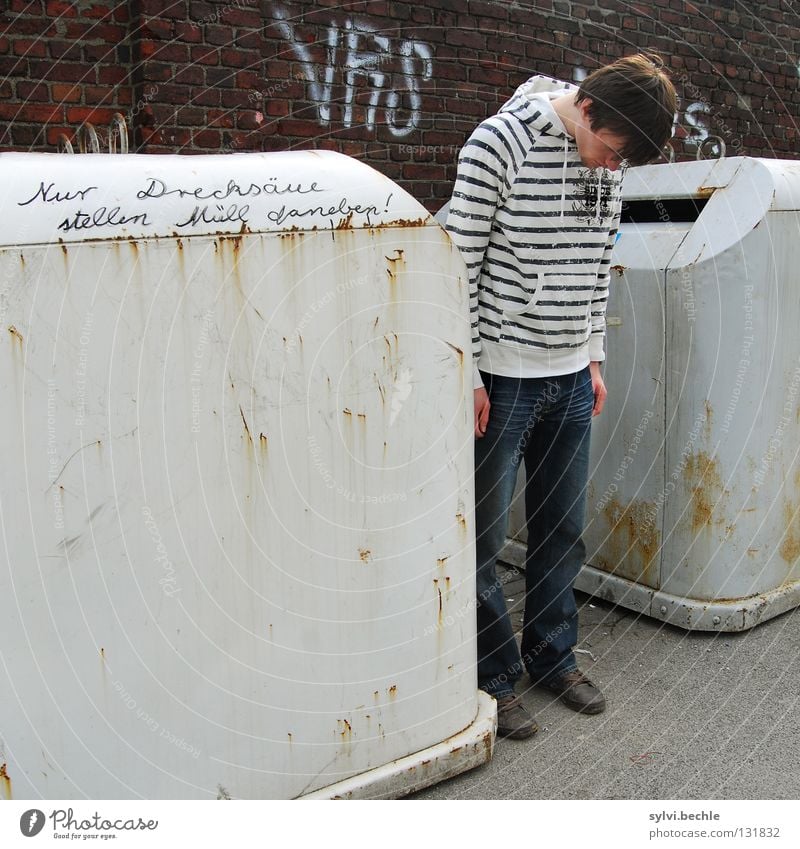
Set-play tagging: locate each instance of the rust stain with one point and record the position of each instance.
(392, 691)
(365, 554)
(347, 411)
(345, 223)
(620, 269)
(16, 334)
(346, 732)
(709, 417)
(247, 429)
(790, 546)
(633, 542)
(440, 561)
(362, 416)
(411, 222)
(262, 441)
(459, 352)
(5, 782)
(461, 521)
(705, 191)
(704, 479)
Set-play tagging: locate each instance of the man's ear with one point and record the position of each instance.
(583, 106)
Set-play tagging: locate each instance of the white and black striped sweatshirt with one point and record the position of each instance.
(536, 229)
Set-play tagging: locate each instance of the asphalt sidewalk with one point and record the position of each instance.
(690, 716)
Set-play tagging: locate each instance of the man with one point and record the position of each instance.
(534, 212)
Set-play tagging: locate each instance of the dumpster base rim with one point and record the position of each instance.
(691, 614)
(463, 751)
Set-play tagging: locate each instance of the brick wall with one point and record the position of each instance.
(398, 84)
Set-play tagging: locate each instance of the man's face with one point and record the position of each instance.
(597, 148)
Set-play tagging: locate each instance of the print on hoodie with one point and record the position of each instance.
(536, 229)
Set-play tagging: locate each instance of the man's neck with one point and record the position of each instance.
(567, 111)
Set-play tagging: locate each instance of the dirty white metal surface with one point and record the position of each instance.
(694, 501)
(237, 497)
(462, 751)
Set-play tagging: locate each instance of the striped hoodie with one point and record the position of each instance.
(536, 229)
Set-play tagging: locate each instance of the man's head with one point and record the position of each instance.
(628, 106)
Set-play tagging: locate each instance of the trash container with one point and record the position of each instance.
(237, 489)
(693, 514)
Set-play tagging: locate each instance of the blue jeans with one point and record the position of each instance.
(548, 422)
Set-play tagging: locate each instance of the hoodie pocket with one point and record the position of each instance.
(530, 298)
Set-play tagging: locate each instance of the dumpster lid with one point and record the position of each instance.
(57, 197)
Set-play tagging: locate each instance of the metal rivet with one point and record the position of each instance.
(716, 620)
(663, 608)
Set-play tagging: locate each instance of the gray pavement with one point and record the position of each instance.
(690, 716)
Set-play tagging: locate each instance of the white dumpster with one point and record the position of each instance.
(237, 494)
(694, 501)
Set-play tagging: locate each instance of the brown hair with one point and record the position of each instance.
(634, 98)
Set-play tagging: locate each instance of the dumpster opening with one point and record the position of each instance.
(668, 210)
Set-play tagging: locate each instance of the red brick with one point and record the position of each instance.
(189, 32)
(220, 118)
(96, 116)
(32, 91)
(60, 9)
(99, 95)
(172, 52)
(205, 55)
(208, 139)
(241, 17)
(66, 50)
(55, 132)
(39, 114)
(112, 74)
(240, 58)
(27, 47)
(219, 35)
(155, 28)
(294, 127)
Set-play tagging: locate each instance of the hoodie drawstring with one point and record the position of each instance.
(564, 175)
(599, 192)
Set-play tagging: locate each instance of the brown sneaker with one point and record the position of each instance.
(513, 720)
(577, 692)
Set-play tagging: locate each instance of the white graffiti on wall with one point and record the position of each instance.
(358, 55)
(696, 118)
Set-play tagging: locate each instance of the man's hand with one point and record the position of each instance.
(598, 386)
(482, 406)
